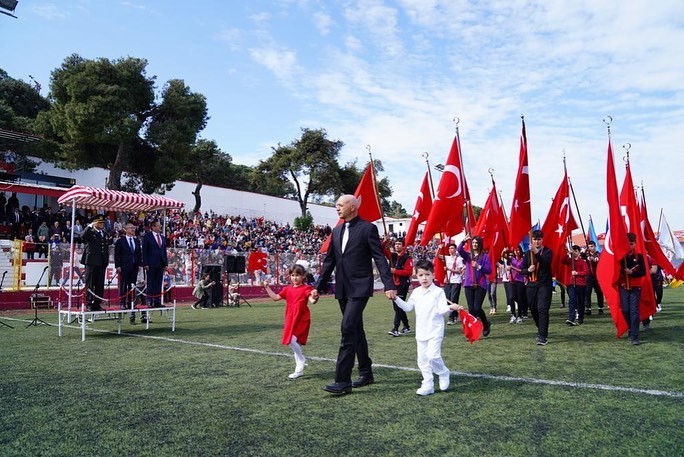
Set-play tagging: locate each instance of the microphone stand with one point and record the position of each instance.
(36, 320)
(2, 281)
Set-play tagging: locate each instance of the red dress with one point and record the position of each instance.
(297, 314)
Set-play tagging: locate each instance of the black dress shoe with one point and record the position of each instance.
(338, 388)
(363, 381)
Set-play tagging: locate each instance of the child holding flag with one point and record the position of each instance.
(431, 305)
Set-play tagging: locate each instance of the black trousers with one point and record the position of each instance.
(400, 316)
(475, 297)
(593, 285)
(155, 277)
(353, 344)
(453, 293)
(539, 301)
(520, 296)
(127, 278)
(94, 281)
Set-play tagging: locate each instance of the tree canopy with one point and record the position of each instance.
(104, 114)
(20, 103)
(304, 168)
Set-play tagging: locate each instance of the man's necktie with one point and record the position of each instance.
(158, 239)
(130, 243)
(345, 236)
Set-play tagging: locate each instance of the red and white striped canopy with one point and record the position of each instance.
(116, 200)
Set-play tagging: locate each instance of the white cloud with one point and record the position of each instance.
(49, 11)
(323, 22)
(281, 62)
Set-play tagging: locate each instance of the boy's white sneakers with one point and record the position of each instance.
(444, 380)
(425, 390)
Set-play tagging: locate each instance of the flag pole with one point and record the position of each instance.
(442, 236)
(626, 147)
(524, 140)
(579, 215)
(503, 209)
(377, 191)
(468, 226)
(660, 220)
(427, 164)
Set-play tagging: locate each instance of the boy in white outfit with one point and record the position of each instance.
(431, 305)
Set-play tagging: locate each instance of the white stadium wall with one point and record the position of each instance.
(217, 199)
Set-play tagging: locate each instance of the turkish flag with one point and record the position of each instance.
(651, 242)
(629, 207)
(472, 326)
(369, 203)
(614, 248)
(521, 211)
(367, 193)
(470, 214)
(257, 261)
(446, 215)
(440, 268)
(421, 211)
(558, 226)
(493, 228)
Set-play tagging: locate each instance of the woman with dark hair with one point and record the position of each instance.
(477, 267)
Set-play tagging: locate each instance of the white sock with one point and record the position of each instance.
(300, 360)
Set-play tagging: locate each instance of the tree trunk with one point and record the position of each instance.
(198, 197)
(115, 171)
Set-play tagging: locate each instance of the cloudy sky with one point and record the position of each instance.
(393, 74)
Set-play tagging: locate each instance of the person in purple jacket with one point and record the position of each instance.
(477, 267)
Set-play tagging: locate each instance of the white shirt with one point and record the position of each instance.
(430, 305)
(454, 263)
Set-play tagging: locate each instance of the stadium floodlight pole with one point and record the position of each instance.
(10, 6)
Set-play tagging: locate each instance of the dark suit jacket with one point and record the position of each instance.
(96, 250)
(354, 268)
(124, 258)
(154, 256)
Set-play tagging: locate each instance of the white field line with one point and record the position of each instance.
(465, 374)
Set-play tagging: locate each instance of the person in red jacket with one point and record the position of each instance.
(401, 266)
(576, 285)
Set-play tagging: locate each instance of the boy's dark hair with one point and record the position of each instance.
(299, 269)
(537, 234)
(631, 237)
(424, 264)
(591, 243)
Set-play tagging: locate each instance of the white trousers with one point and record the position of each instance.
(430, 360)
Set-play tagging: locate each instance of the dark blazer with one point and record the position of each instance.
(96, 249)
(124, 258)
(354, 268)
(154, 256)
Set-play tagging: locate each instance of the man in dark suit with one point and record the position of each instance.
(155, 262)
(95, 258)
(127, 260)
(353, 246)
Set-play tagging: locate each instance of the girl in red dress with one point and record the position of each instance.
(297, 316)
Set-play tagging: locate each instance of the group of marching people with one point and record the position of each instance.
(529, 283)
(527, 279)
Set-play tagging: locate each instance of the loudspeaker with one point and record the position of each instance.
(217, 290)
(234, 264)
